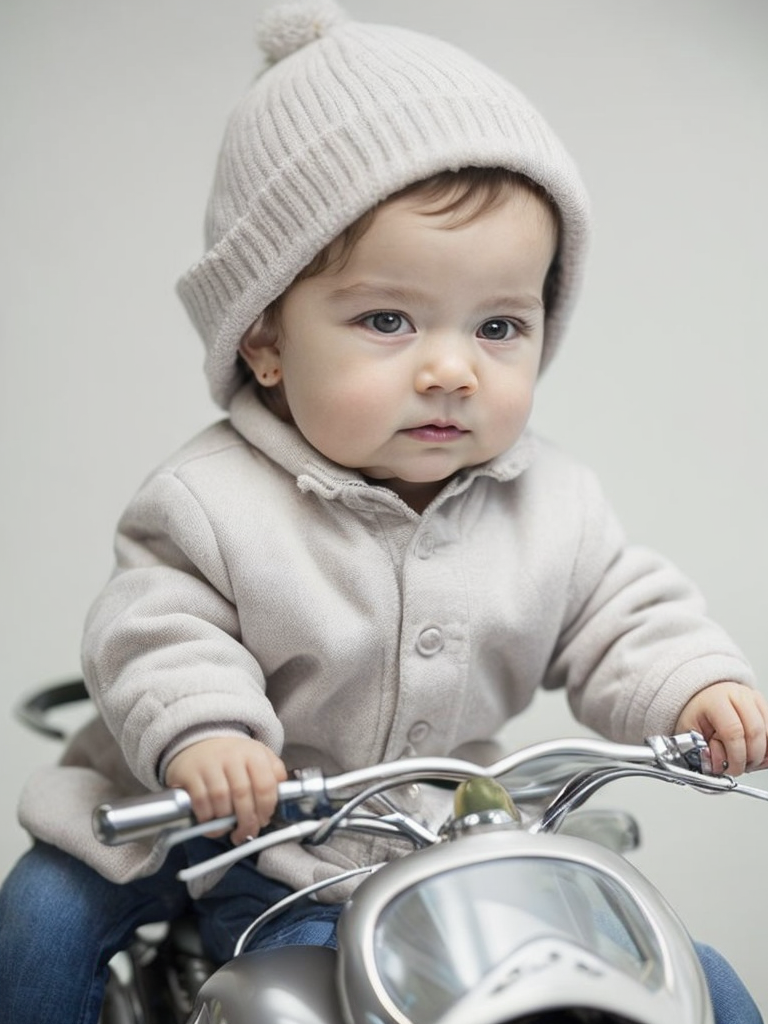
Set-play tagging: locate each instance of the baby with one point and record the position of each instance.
(371, 556)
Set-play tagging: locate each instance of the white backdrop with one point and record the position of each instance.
(111, 115)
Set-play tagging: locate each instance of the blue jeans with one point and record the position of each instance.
(60, 924)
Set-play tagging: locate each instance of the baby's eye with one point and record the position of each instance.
(498, 329)
(387, 322)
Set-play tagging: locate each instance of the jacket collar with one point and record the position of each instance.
(284, 445)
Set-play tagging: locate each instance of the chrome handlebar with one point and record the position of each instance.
(311, 795)
(124, 821)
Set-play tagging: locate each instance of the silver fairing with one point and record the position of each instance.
(292, 985)
(504, 924)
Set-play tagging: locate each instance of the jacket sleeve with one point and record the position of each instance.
(162, 655)
(637, 643)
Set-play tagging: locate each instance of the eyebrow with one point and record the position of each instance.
(362, 290)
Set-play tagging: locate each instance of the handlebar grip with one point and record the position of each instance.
(136, 817)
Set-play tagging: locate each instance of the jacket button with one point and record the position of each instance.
(425, 546)
(430, 641)
(418, 732)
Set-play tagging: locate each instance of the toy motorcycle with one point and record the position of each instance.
(519, 909)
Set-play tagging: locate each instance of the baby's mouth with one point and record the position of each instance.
(437, 432)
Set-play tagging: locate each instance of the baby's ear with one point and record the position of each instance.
(258, 347)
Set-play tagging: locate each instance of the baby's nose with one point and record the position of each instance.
(447, 365)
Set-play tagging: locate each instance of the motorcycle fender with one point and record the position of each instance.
(290, 985)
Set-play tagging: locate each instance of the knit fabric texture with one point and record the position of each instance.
(343, 115)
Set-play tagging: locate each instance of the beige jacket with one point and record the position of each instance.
(261, 588)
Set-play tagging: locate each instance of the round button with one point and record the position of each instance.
(425, 546)
(430, 641)
(418, 732)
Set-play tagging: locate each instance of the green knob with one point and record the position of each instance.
(477, 795)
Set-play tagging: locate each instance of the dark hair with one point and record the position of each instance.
(467, 194)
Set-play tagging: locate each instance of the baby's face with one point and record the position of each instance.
(419, 356)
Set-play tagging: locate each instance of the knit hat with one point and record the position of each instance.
(344, 115)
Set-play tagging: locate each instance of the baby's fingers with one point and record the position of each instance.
(755, 720)
(739, 742)
(210, 797)
(734, 721)
(254, 791)
(244, 803)
(726, 759)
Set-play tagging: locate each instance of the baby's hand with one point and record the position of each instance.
(231, 775)
(733, 719)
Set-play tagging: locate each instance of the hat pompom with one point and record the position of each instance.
(290, 26)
